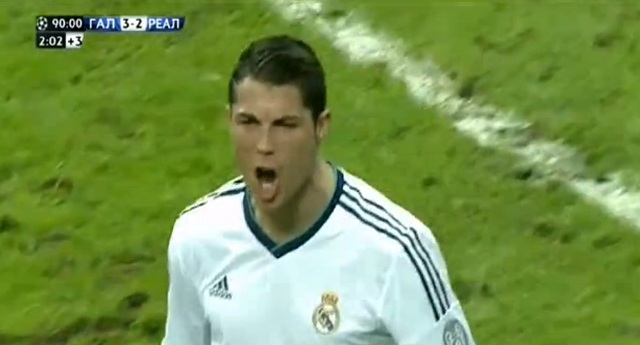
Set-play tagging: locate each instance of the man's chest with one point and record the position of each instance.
(301, 298)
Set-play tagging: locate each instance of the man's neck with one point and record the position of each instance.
(303, 211)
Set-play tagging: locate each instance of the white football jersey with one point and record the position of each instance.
(367, 273)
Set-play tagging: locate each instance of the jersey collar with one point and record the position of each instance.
(281, 250)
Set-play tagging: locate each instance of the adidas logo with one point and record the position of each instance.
(220, 289)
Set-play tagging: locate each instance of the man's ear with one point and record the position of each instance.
(323, 123)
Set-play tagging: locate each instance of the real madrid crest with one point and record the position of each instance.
(326, 316)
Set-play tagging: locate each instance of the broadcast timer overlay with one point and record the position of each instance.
(67, 32)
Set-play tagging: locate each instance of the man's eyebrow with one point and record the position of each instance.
(289, 117)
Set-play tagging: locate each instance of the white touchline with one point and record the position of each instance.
(488, 125)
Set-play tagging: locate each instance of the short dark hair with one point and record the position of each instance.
(283, 60)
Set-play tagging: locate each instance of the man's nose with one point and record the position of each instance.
(265, 144)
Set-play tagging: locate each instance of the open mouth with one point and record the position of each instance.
(267, 183)
(265, 175)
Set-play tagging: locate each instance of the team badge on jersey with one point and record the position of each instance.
(454, 333)
(326, 316)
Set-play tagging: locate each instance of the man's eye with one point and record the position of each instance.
(248, 121)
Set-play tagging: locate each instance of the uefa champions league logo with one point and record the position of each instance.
(454, 333)
(41, 24)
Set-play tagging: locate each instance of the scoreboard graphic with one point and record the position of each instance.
(68, 32)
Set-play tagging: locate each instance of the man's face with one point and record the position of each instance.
(276, 140)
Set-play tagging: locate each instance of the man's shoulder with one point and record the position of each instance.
(379, 214)
(235, 186)
(389, 231)
(369, 198)
(213, 212)
(210, 229)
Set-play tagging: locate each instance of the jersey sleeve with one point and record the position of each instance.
(417, 305)
(186, 322)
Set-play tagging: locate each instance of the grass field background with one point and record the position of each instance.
(101, 148)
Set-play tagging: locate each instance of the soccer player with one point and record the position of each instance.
(298, 250)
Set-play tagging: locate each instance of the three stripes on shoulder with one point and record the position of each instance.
(232, 187)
